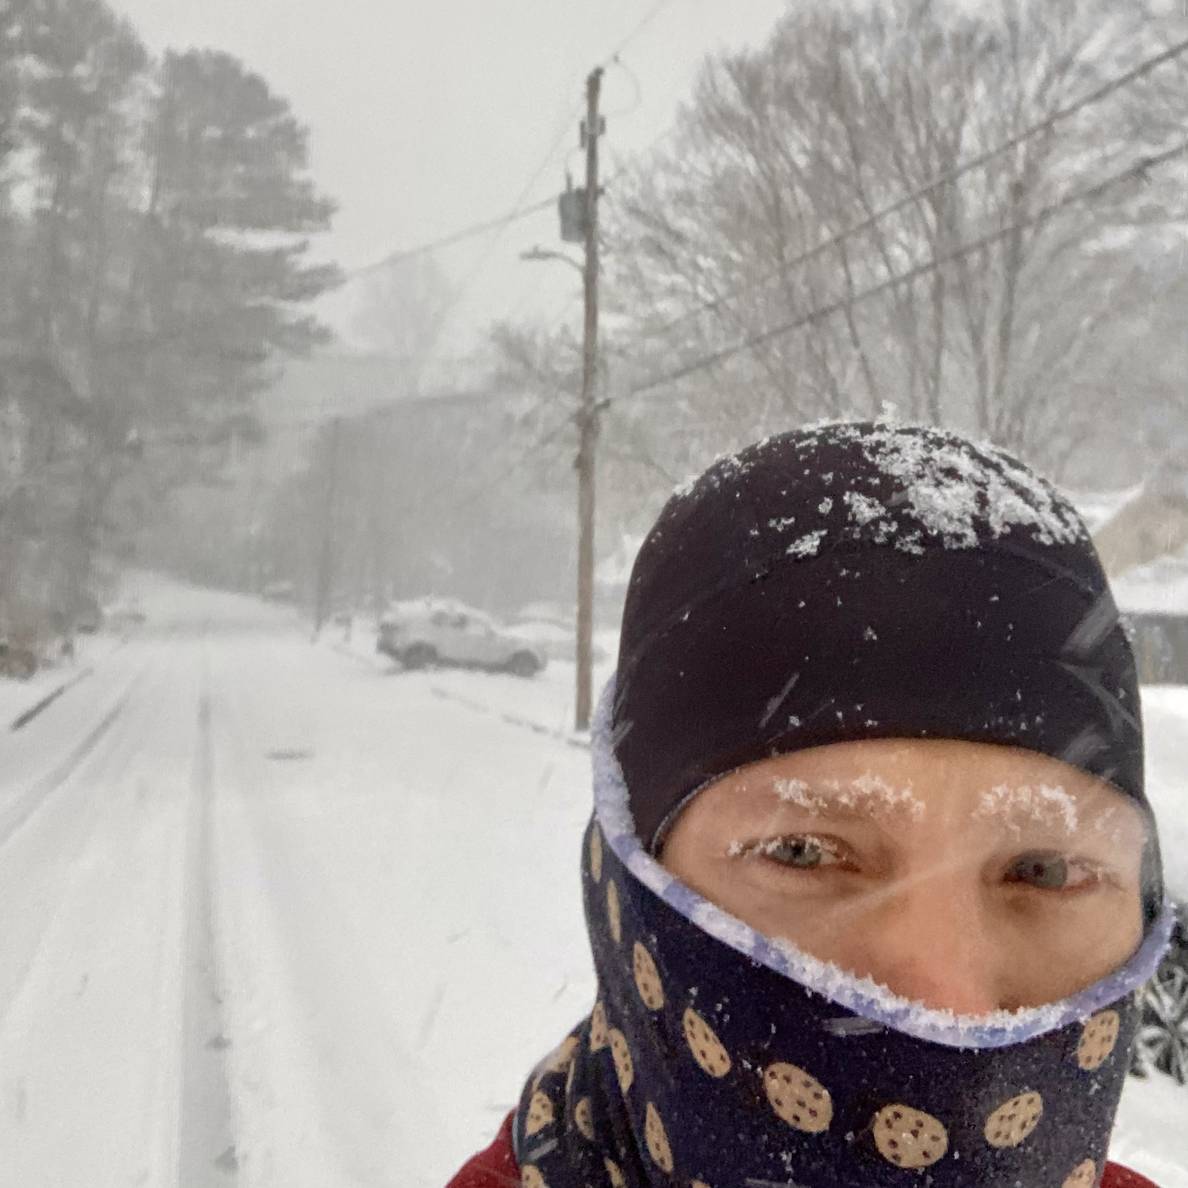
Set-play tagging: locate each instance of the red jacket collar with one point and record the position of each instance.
(496, 1168)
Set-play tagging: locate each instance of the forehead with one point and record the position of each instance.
(924, 762)
(907, 778)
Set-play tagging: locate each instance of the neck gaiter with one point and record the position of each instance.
(716, 1057)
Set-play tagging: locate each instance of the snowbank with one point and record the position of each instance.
(1165, 718)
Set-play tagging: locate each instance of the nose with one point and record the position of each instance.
(927, 942)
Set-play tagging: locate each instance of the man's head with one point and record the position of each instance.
(902, 610)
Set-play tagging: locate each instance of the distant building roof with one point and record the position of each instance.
(1158, 588)
(327, 384)
(1138, 525)
(1099, 507)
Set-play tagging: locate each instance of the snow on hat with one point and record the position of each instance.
(863, 580)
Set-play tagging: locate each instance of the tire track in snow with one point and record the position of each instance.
(26, 805)
(15, 813)
(96, 749)
(206, 1140)
(91, 891)
(330, 1091)
(39, 707)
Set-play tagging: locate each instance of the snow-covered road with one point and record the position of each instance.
(275, 916)
(374, 853)
(96, 794)
(266, 916)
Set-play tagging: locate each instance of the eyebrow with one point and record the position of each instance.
(1019, 805)
(854, 801)
(823, 810)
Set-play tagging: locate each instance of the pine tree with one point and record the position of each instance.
(149, 287)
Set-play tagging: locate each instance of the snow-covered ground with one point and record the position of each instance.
(277, 914)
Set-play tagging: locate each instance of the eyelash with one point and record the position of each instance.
(766, 849)
(1094, 874)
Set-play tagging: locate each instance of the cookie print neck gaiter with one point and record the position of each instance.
(718, 1058)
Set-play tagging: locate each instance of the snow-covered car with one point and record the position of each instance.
(541, 611)
(430, 632)
(17, 660)
(555, 641)
(126, 615)
(278, 592)
(88, 614)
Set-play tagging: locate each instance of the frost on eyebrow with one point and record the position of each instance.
(1033, 804)
(868, 792)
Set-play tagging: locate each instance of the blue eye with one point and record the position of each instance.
(802, 852)
(1047, 872)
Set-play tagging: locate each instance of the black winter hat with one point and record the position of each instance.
(864, 580)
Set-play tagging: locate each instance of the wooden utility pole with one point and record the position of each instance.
(587, 414)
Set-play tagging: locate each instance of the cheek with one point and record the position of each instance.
(826, 916)
(1077, 941)
(747, 888)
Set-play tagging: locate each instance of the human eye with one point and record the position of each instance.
(803, 851)
(1046, 870)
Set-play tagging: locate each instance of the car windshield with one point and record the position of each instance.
(418, 420)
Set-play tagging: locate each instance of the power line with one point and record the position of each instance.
(657, 8)
(1136, 170)
(499, 224)
(637, 87)
(518, 210)
(502, 476)
(498, 227)
(1095, 96)
(475, 229)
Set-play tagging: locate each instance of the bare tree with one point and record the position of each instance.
(769, 203)
(399, 309)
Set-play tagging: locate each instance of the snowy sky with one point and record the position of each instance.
(426, 117)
